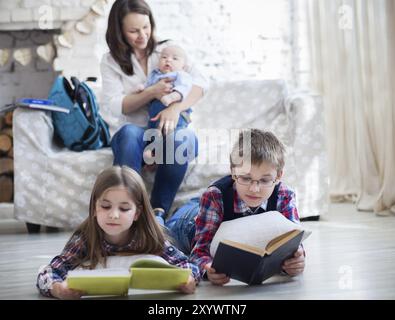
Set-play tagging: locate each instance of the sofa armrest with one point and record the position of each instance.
(33, 128)
(52, 183)
(33, 144)
(306, 122)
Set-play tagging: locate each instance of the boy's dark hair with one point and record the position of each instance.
(257, 146)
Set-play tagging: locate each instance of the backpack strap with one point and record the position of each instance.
(86, 101)
(86, 142)
(67, 87)
(105, 132)
(99, 128)
(102, 125)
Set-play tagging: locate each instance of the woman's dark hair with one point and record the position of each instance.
(119, 48)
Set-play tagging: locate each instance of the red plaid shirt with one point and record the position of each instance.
(212, 212)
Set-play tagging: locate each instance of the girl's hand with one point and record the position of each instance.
(219, 279)
(162, 87)
(188, 287)
(168, 119)
(294, 266)
(60, 290)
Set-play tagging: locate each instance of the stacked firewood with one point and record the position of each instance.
(6, 159)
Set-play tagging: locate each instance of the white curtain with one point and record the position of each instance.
(352, 52)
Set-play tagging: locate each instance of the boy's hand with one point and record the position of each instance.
(294, 266)
(188, 287)
(219, 279)
(60, 290)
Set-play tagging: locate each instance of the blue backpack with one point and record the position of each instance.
(82, 128)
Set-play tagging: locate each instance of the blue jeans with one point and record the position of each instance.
(181, 225)
(156, 106)
(128, 145)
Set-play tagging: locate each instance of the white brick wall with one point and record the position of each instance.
(46, 14)
(21, 15)
(5, 4)
(230, 39)
(73, 13)
(5, 16)
(34, 3)
(25, 13)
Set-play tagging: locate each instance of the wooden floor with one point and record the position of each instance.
(350, 255)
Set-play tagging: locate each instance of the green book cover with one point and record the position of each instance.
(143, 274)
(100, 282)
(148, 274)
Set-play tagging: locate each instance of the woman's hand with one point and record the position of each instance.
(188, 287)
(219, 279)
(168, 119)
(294, 266)
(60, 290)
(162, 87)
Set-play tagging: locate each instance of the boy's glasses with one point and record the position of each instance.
(247, 181)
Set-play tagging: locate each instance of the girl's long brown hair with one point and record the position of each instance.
(145, 233)
(119, 48)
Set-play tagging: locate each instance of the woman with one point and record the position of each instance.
(134, 53)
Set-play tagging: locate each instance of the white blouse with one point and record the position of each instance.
(116, 85)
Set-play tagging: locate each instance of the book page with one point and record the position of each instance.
(245, 247)
(280, 240)
(126, 261)
(255, 230)
(112, 272)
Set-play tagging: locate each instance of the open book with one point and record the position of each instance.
(124, 272)
(253, 248)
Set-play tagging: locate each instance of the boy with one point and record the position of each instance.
(253, 187)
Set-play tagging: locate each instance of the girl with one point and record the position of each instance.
(121, 222)
(134, 53)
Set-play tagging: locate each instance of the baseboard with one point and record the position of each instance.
(6, 210)
(311, 218)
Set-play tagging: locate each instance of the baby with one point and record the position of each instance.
(172, 64)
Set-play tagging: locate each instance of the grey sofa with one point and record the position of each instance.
(53, 184)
